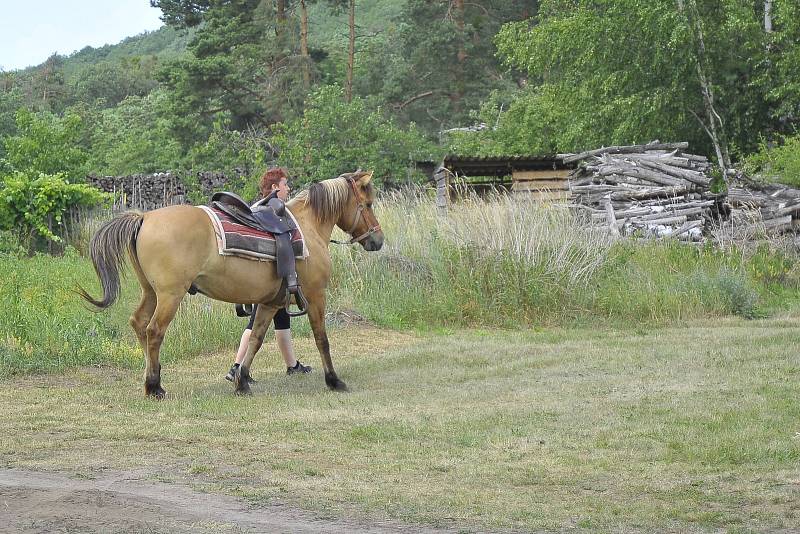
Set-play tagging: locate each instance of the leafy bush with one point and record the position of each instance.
(777, 163)
(34, 208)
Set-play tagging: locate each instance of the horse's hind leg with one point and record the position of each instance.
(144, 312)
(166, 307)
(142, 315)
(316, 316)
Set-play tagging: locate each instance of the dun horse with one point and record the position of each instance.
(172, 247)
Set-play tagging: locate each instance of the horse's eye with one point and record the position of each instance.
(369, 205)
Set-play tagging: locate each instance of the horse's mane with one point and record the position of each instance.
(328, 198)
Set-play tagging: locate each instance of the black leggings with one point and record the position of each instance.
(281, 319)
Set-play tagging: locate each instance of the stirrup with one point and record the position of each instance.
(302, 303)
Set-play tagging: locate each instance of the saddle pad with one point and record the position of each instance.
(234, 239)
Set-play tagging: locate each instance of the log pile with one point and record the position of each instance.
(142, 191)
(653, 190)
(151, 191)
(763, 208)
(212, 181)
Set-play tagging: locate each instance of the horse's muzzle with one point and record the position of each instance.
(373, 242)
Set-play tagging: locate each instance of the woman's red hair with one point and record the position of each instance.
(273, 176)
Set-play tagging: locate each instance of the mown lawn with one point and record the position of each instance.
(693, 428)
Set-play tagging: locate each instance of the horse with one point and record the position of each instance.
(175, 247)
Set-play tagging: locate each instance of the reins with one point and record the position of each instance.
(359, 213)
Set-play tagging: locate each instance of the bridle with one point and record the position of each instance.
(359, 214)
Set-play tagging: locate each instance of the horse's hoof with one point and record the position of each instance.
(241, 381)
(153, 389)
(156, 393)
(333, 382)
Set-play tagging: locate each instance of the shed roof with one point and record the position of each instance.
(496, 165)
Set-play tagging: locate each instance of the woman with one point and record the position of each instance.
(274, 183)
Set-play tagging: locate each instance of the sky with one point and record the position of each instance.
(32, 30)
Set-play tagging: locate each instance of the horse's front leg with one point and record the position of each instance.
(241, 382)
(316, 316)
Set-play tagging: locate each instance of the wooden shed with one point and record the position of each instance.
(538, 177)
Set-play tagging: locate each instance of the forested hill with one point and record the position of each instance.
(321, 89)
(164, 43)
(168, 42)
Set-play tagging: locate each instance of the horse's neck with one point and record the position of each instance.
(308, 221)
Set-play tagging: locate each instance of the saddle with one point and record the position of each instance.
(269, 215)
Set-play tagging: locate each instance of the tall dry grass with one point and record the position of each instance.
(544, 235)
(506, 261)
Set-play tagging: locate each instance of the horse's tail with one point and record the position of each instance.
(107, 250)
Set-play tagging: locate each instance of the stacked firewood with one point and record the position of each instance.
(142, 191)
(647, 190)
(763, 208)
(152, 191)
(212, 181)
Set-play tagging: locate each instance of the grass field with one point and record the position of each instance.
(531, 376)
(688, 428)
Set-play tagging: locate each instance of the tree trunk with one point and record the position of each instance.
(768, 16)
(530, 11)
(457, 95)
(714, 127)
(611, 219)
(280, 10)
(351, 53)
(280, 20)
(305, 57)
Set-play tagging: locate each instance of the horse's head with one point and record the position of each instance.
(358, 219)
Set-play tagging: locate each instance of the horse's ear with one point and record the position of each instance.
(365, 178)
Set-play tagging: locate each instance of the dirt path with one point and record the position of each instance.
(124, 502)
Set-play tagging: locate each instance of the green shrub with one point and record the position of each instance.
(779, 163)
(33, 208)
(39, 177)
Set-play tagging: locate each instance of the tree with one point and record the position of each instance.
(334, 136)
(622, 72)
(781, 83)
(713, 124)
(110, 82)
(11, 100)
(442, 63)
(304, 54)
(351, 49)
(183, 13)
(47, 144)
(48, 83)
(135, 137)
(242, 64)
